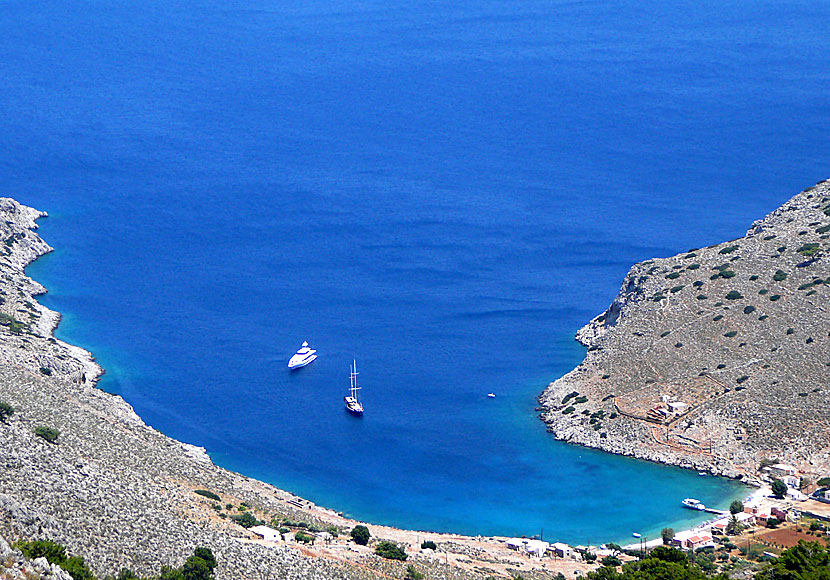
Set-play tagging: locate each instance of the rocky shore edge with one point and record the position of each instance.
(714, 359)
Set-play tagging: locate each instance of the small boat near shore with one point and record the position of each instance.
(353, 406)
(693, 504)
(302, 357)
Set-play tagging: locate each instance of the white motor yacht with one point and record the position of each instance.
(305, 355)
(694, 504)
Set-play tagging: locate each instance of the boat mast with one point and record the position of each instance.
(354, 380)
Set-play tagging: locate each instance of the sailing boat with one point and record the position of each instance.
(352, 404)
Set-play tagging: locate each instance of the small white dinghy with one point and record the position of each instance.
(305, 355)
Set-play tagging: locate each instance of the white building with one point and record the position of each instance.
(563, 550)
(693, 539)
(532, 547)
(781, 469)
(266, 533)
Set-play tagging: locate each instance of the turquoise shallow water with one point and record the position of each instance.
(443, 191)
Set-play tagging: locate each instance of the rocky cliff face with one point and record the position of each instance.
(736, 333)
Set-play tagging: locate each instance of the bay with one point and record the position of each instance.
(442, 191)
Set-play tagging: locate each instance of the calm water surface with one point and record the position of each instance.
(444, 191)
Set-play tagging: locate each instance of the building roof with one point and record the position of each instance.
(264, 531)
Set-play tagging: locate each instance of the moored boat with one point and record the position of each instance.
(694, 504)
(304, 356)
(352, 404)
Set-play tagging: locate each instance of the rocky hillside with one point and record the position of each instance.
(716, 358)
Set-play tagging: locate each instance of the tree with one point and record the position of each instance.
(246, 520)
(390, 550)
(736, 507)
(611, 561)
(667, 534)
(6, 411)
(206, 555)
(667, 554)
(779, 488)
(823, 482)
(360, 534)
(428, 545)
(734, 527)
(412, 573)
(168, 573)
(805, 561)
(616, 548)
(196, 569)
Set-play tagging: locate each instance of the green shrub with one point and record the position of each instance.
(390, 550)
(6, 411)
(809, 249)
(208, 494)
(734, 295)
(303, 537)
(47, 433)
(731, 333)
(694, 266)
(823, 229)
(665, 333)
(412, 573)
(763, 291)
(55, 554)
(360, 534)
(774, 297)
(582, 399)
(727, 274)
(718, 317)
(45, 371)
(749, 309)
(779, 276)
(702, 297)
(676, 289)
(741, 379)
(728, 250)
(568, 410)
(753, 277)
(428, 545)
(673, 275)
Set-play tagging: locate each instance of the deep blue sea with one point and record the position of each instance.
(445, 191)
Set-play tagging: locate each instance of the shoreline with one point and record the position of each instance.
(89, 372)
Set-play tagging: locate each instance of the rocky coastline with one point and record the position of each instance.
(715, 359)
